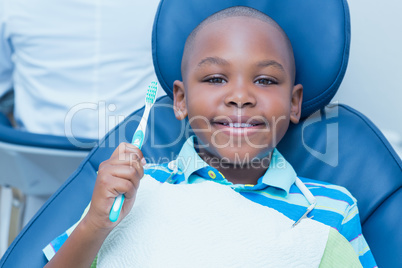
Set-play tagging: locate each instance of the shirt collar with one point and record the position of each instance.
(188, 159)
(280, 173)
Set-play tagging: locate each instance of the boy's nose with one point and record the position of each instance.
(240, 97)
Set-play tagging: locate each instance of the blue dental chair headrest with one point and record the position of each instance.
(320, 62)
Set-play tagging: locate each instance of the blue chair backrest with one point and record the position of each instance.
(335, 144)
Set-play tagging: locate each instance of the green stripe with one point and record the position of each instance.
(339, 252)
(93, 265)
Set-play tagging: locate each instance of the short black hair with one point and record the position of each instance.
(239, 11)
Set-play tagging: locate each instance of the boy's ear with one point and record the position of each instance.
(296, 103)
(179, 100)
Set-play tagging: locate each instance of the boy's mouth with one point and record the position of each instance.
(237, 125)
(242, 124)
(239, 121)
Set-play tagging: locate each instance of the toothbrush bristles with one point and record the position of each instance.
(151, 93)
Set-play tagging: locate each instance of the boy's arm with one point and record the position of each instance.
(81, 247)
(120, 174)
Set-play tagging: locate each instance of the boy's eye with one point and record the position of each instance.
(265, 81)
(215, 80)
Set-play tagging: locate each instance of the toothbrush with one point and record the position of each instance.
(138, 139)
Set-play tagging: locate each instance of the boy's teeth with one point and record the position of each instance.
(239, 125)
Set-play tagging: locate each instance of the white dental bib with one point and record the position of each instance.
(208, 225)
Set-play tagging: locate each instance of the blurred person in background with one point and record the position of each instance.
(72, 66)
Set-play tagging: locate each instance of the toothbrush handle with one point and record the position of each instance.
(137, 140)
(116, 208)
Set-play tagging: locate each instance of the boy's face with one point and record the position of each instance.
(238, 89)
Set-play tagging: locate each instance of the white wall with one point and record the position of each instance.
(373, 80)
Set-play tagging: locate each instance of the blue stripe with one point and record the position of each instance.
(59, 241)
(334, 192)
(350, 229)
(159, 175)
(294, 211)
(367, 260)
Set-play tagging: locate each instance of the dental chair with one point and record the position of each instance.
(332, 143)
(37, 163)
(35, 166)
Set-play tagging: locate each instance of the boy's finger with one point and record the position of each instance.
(128, 159)
(124, 148)
(134, 155)
(115, 185)
(126, 187)
(131, 173)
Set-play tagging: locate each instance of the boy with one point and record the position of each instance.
(239, 95)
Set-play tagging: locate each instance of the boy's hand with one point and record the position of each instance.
(120, 174)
